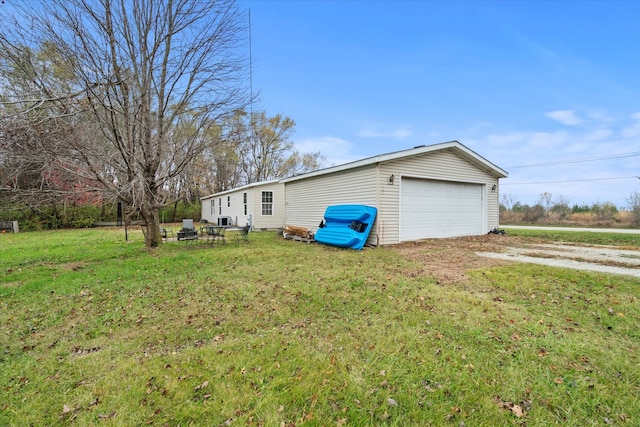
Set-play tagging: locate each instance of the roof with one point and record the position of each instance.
(244, 187)
(455, 146)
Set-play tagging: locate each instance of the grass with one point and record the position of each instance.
(585, 237)
(97, 331)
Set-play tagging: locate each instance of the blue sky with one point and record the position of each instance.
(547, 90)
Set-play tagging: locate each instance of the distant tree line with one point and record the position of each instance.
(142, 104)
(550, 209)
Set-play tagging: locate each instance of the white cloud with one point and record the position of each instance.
(502, 140)
(599, 134)
(574, 163)
(601, 116)
(566, 117)
(399, 133)
(548, 140)
(633, 130)
(336, 150)
(579, 148)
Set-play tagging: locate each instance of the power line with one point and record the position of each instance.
(590, 159)
(570, 180)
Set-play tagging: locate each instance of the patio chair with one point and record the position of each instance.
(213, 234)
(242, 236)
(188, 231)
(166, 233)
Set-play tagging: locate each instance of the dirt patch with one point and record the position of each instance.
(449, 260)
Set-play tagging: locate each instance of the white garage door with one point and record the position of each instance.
(430, 208)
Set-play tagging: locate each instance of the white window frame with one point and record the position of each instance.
(267, 203)
(244, 200)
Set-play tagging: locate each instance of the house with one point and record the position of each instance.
(259, 205)
(441, 190)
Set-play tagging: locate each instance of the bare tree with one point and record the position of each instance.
(267, 151)
(545, 201)
(36, 166)
(509, 201)
(252, 148)
(633, 202)
(561, 206)
(147, 81)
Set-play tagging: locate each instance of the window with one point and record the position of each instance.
(213, 206)
(267, 203)
(220, 206)
(228, 201)
(244, 200)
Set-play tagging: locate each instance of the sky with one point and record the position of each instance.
(548, 91)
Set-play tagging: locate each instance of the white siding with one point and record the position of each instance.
(268, 222)
(493, 201)
(233, 206)
(307, 199)
(440, 165)
(364, 182)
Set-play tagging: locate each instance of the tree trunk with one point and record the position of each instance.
(175, 212)
(128, 118)
(153, 238)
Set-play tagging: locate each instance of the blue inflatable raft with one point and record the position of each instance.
(346, 226)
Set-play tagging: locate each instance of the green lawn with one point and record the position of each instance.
(97, 331)
(586, 237)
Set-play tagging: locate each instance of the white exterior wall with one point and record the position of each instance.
(363, 182)
(267, 222)
(307, 199)
(440, 165)
(231, 204)
(221, 207)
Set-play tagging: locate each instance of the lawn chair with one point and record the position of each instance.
(188, 231)
(213, 233)
(165, 233)
(242, 236)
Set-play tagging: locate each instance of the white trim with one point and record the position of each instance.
(470, 155)
(485, 209)
(244, 187)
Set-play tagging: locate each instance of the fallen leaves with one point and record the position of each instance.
(517, 410)
(79, 351)
(201, 386)
(200, 394)
(71, 413)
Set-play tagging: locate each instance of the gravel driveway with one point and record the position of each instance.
(602, 259)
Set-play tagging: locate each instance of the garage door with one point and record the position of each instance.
(430, 208)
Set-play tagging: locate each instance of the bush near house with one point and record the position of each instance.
(54, 217)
